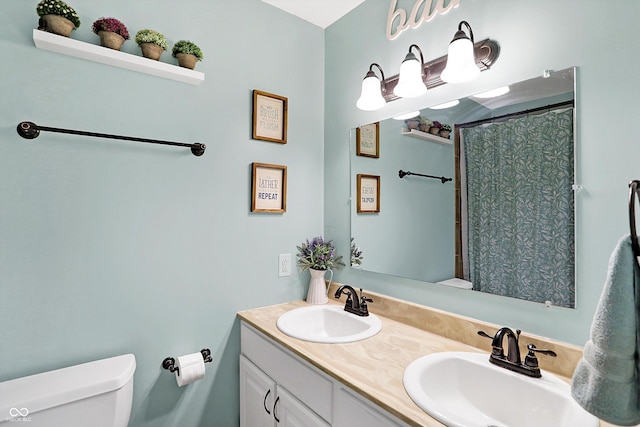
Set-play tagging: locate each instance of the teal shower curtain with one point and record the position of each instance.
(520, 207)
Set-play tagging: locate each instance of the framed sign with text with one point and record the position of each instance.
(269, 188)
(269, 117)
(368, 192)
(368, 140)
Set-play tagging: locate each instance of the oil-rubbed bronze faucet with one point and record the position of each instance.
(356, 304)
(512, 360)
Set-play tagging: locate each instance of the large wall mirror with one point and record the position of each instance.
(487, 206)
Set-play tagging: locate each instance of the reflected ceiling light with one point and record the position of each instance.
(371, 95)
(445, 105)
(492, 93)
(407, 115)
(411, 82)
(461, 62)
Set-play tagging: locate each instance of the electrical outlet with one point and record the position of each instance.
(284, 265)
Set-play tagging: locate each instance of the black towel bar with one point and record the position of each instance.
(402, 174)
(634, 192)
(30, 130)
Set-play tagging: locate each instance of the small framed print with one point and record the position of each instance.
(269, 188)
(368, 192)
(368, 140)
(269, 117)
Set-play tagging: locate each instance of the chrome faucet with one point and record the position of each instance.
(512, 360)
(356, 304)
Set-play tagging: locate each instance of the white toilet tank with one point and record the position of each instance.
(94, 394)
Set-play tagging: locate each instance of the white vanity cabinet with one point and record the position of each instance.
(277, 388)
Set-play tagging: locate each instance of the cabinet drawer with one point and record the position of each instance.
(309, 385)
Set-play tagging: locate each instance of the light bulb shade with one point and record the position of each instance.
(461, 62)
(371, 95)
(410, 83)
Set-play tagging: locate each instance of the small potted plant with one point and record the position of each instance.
(112, 32)
(57, 17)
(413, 122)
(425, 124)
(187, 53)
(435, 127)
(318, 256)
(445, 130)
(152, 43)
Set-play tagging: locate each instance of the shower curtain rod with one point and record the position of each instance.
(30, 130)
(402, 174)
(518, 114)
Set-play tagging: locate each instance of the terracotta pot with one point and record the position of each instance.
(434, 130)
(445, 133)
(56, 24)
(412, 124)
(111, 40)
(187, 60)
(151, 50)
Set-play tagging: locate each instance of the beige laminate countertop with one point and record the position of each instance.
(374, 367)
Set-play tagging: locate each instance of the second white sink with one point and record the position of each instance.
(328, 324)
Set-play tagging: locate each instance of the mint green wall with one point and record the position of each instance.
(111, 247)
(597, 37)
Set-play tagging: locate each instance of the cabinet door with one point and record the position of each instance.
(352, 410)
(290, 412)
(257, 396)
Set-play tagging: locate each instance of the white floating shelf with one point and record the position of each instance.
(104, 55)
(426, 136)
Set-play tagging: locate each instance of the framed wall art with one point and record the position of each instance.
(368, 192)
(368, 140)
(269, 117)
(269, 188)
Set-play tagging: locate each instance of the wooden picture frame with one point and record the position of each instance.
(368, 140)
(269, 188)
(368, 193)
(270, 114)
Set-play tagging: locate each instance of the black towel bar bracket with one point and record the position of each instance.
(634, 193)
(30, 130)
(402, 174)
(169, 363)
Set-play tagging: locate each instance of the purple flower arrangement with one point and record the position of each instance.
(112, 25)
(318, 254)
(356, 254)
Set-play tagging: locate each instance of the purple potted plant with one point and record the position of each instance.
(112, 32)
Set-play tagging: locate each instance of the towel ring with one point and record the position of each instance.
(634, 191)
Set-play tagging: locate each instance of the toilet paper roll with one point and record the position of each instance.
(190, 368)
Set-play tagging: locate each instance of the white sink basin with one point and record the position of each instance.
(328, 324)
(465, 390)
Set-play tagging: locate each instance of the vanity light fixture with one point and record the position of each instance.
(493, 93)
(416, 76)
(406, 116)
(371, 95)
(411, 78)
(461, 62)
(445, 105)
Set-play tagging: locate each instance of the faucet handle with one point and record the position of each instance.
(484, 334)
(531, 361)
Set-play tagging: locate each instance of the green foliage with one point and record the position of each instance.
(60, 8)
(151, 36)
(185, 46)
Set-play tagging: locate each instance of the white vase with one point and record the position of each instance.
(317, 293)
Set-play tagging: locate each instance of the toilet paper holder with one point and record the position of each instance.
(169, 363)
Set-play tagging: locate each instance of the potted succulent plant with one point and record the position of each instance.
(413, 122)
(425, 124)
(112, 32)
(187, 53)
(57, 17)
(152, 43)
(445, 130)
(435, 127)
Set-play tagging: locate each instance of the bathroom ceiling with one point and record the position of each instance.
(319, 12)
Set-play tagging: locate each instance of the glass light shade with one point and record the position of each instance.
(371, 95)
(410, 82)
(461, 62)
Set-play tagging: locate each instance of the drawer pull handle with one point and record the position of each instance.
(264, 402)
